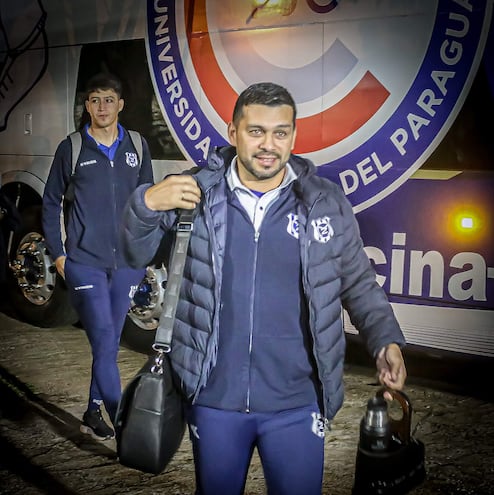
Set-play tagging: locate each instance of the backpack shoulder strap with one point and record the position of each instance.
(76, 141)
(137, 142)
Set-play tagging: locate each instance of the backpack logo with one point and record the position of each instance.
(131, 159)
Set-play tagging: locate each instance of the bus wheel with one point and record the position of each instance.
(143, 317)
(37, 293)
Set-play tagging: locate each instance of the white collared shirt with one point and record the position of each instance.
(256, 207)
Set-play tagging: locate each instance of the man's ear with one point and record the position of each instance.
(232, 134)
(294, 138)
(121, 104)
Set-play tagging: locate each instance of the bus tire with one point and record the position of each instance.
(38, 294)
(136, 338)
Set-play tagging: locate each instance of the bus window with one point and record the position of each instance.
(127, 60)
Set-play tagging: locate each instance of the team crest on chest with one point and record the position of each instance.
(293, 227)
(131, 159)
(323, 231)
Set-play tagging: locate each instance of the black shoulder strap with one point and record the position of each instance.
(163, 336)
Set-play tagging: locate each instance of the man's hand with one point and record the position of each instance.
(391, 368)
(60, 265)
(175, 191)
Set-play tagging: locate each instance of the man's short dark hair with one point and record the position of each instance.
(104, 81)
(263, 93)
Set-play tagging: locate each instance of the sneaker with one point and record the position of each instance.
(93, 424)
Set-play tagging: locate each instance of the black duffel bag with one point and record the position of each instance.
(150, 421)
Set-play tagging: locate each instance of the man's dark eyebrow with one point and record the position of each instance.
(278, 126)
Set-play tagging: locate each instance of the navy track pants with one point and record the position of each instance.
(290, 446)
(101, 299)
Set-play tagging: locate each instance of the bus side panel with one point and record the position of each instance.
(431, 245)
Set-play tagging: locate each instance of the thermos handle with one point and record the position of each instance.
(400, 427)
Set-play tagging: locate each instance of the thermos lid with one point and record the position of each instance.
(377, 403)
(376, 415)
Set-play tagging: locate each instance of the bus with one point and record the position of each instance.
(393, 97)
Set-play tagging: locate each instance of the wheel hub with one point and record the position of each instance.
(148, 299)
(33, 269)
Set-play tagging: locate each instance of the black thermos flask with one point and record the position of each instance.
(375, 428)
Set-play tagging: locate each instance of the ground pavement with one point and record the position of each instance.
(44, 377)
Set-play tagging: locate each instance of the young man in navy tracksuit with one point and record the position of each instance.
(100, 282)
(258, 344)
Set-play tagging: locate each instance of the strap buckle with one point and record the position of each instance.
(157, 367)
(185, 226)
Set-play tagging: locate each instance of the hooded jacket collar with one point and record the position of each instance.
(220, 158)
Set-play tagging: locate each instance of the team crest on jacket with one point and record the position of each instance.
(292, 227)
(131, 159)
(323, 231)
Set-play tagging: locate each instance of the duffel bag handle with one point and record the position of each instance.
(400, 428)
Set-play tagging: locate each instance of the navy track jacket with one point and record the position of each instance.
(101, 189)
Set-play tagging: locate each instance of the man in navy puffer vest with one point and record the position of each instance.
(258, 344)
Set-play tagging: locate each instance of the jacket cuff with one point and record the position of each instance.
(142, 212)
